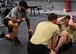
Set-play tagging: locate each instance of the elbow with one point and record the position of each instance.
(71, 24)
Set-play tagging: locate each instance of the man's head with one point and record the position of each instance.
(23, 6)
(66, 19)
(52, 17)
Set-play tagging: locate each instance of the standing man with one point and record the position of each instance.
(45, 31)
(14, 18)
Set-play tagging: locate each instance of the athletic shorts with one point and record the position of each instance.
(37, 49)
(5, 21)
(65, 46)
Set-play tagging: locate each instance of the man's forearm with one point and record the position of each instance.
(53, 45)
(54, 42)
(60, 18)
(28, 23)
(15, 20)
(71, 23)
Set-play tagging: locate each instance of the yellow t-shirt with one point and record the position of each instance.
(44, 32)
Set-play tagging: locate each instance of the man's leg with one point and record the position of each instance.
(15, 33)
(12, 29)
(64, 39)
(9, 35)
(9, 24)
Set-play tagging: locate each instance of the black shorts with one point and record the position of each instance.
(37, 49)
(5, 21)
(65, 46)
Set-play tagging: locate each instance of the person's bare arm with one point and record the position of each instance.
(28, 22)
(71, 23)
(15, 19)
(60, 19)
(54, 41)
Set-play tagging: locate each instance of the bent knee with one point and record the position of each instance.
(10, 24)
(65, 35)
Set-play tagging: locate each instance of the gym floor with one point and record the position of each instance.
(6, 47)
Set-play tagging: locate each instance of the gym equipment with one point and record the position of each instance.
(68, 9)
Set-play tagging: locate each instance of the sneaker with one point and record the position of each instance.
(18, 43)
(2, 35)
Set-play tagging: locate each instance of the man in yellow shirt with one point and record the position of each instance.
(45, 31)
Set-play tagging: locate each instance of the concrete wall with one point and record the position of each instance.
(73, 6)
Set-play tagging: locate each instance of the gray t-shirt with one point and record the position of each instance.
(15, 12)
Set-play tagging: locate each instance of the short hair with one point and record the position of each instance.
(67, 17)
(23, 3)
(52, 16)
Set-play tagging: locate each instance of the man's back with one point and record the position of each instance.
(44, 32)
